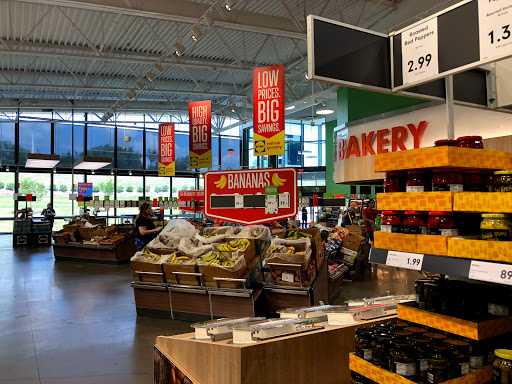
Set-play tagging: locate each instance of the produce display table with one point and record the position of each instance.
(320, 356)
(118, 254)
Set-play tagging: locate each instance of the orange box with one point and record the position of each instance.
(381, 376)
(464, 328)
(435, 157)
(432, 244)
(492, 202)
(396, 241)
(480, 249)
(416, 201)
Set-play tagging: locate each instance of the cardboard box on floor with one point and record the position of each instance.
(353, 241)
(316, 243)
(357, 229)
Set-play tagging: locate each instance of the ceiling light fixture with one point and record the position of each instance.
(91, 163)
(112, 172)
(230, 4)
(130, 94)
(140, 84)
(233, 108)
(92, 172)
(39, 160)
(289, 108)
(158, 67)
(324, 111)
(7, 169)
(196, 32)
(150, 75)
(207, 17)
(201, 176)
(179, 49)
(104, 119)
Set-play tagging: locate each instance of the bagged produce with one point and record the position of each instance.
(259, 232)
(214, 234)
(193, 247)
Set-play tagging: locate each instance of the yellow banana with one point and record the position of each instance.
(276, 181)
(183, 258)
(282, 181)
(221, 183)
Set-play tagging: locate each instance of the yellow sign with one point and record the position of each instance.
(200, 161)
(269, 146)
(167, 170)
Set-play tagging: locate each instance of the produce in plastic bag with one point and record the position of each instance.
(195, 248)
(259, 232)
(214, 234)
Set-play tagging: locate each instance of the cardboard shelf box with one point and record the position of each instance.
(464, 328)
(437, 157)
(382, 376)
(416, 201)
(480, 249)
(316, 243)
(425, 244)
(491, 202)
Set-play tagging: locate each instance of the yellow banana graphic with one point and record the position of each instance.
(277, 180)
(221, 183)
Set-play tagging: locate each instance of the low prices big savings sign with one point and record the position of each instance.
(200, 136)
(166, 150)
(239, 196)
(268, 110)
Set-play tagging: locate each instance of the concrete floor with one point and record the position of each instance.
(75, 323)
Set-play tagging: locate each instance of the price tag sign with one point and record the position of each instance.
(288, 277)
(239, 201)
(405, 260)
(491, 272)
(420, 52)
(495, 28)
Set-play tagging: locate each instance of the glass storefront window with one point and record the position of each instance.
(7, 145)
(230, 161)
(65, 141)
(100, 141)
(62, 187)
(35, 137)
(129, 148)
(129, 188)
(39, 185)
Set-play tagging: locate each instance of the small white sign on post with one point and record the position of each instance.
(405, 260)
(495, 28)
(420, 57)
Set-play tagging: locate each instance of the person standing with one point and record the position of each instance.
(304, 217)
(369, 215)
(349, 216)
(49, 215)
(146, 230)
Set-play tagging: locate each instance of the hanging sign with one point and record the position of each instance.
(200, 135)
(240, 196)
(197, 196)
(268, 110)
(495, 28)
(166, 163)
(84, 190)
(420, 58)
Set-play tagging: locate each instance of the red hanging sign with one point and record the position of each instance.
(268, 110)
(166, 163)
(200, 134)
(187, 196)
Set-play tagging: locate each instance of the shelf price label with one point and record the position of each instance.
(495, 28)
(405, 260)
(491, 272)
(420, 52)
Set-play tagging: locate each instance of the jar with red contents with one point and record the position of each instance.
(415, 223)
(472, 180)
(470, 142)
(394, 182)
(442, 223)
(445, 143)
(392, 222)
(447, 179)
(415, 181)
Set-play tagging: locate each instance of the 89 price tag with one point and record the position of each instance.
(491, 272)
(495, 28)
(405, 260)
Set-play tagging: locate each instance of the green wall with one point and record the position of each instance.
(355, 104)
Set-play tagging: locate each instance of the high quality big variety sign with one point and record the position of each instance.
(166, 151)
(200, 135)
(188, 196)
(268, 110)
(239, 196)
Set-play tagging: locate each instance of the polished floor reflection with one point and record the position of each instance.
(64, 322)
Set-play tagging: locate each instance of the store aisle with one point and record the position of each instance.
(75, 323)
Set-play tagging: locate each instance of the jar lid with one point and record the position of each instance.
(439, 213)
(393, 173)
(435, 335)
(402, 343)
(444, 141)
(364, 330)
(419, 339)
(447, 170)
(469, 138)
(441, 347)
(415, 172)
(506, 172)
(391, 212)
(413, 213)
(494, 215)
(470, 171)
(503, 354)
(456, 342)
(416, 329)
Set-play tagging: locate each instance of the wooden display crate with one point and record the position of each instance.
(464, 328)
(147, 272)
(416, 201)
(382, 376)
(480, 249)
(173, 278)
(437, 157)
(491, 202)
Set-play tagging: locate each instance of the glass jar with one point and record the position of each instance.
(400, 334)
(397, 324)
(470, 142)
(477, 358)
(442, 223)
(403, 358)
(503, 181)
(488, 180)
(435, 337)
(445, 143)
(440, 360)
(415, 181)
(447, 179)
(363, 342)
(502, 367)
(381, 328)
(435, 299)
(422, 346)
(419, 287)
(415, 223)
(459, 298)
(461, 354)
(392, 222)
(495, 227)
(416, 331)
(357, 378)
(380, 350)
(394, 182)
(498, 303)
(472, 180)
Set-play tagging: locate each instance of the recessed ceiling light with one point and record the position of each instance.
(289, 108)
(325, 111)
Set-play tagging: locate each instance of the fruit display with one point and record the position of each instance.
(284, 249)
(234, 245)
(176, 259)
(218, 258)
(297, 234)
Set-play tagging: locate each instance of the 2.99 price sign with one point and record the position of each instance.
(420, 52)
(495, 19)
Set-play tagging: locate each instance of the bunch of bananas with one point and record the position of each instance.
(221, 183)
(234, 245)
(175, 259)
(220, 259)
(212, 235)
(277, 180)
(294, 235)
(150, 257)
(283, 249)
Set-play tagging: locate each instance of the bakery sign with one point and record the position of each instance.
(398, 138)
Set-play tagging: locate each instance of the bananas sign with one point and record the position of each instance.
(239, 196)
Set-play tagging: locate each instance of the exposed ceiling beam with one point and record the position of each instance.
(387, 3)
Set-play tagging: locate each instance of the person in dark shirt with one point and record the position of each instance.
(349, 216)
(304, 217)
(49, 214)
(369, 216)
(146, 230)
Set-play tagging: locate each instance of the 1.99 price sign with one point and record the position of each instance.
(420, 52)
(495, 19)
(405, 260)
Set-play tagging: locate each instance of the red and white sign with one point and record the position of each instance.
(239, 196)
(166, 152)
(200, 135)
(268, 110)
(197, 195)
